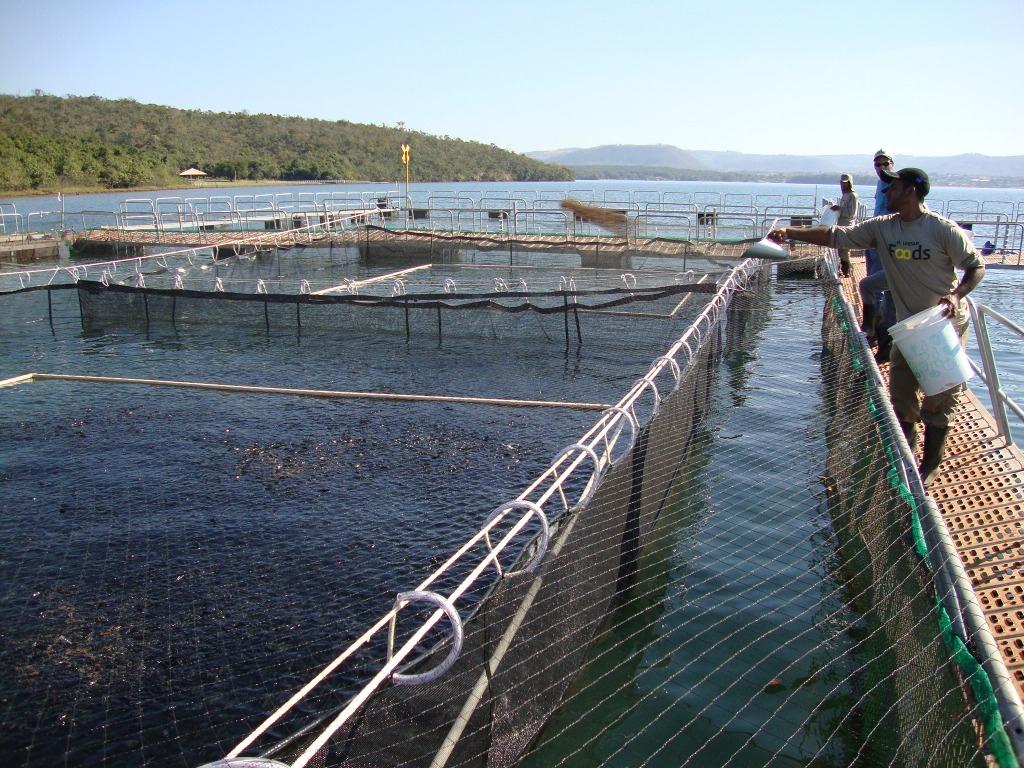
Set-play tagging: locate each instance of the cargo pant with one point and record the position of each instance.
(905, 394)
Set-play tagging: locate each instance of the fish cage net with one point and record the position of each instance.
(389, 261)
(556, 301)
(516, 664)
(551, 291)
(574, 317)
(735, 583)
(141, 592)
(800, 627)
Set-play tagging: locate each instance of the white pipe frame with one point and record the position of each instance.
(596, 444)
(76, 271)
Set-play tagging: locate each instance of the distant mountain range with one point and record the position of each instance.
(649, 155)
(668, 156)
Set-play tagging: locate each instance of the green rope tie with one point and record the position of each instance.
(981, 687)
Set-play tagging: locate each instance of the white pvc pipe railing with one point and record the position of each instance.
(989, 371)
(595, 447)
(268, 239)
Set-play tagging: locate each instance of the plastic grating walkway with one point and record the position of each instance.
(980, 493)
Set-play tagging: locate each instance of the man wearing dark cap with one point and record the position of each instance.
(919, 250)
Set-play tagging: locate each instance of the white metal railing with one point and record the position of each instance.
(138, 213)
(1001, 235)
(988, 371)
(697, 215)
(27, 278)
(44, 221)
(1000, 221)
(97, 219)
(645, 220)
(10, 219)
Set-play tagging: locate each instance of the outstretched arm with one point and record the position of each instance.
(812, 235)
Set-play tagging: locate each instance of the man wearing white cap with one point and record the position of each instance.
(847, 209)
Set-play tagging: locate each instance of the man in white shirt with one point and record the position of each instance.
(847, 209)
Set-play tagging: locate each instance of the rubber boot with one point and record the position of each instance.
(867, 324)
(934, 450)
(884, 346)
(910, 432)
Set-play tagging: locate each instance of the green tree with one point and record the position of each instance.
(48, 140)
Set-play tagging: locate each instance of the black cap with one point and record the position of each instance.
(911, 177)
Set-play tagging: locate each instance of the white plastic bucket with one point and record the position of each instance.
(929, 343)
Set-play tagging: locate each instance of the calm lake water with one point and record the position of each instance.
(616, 190)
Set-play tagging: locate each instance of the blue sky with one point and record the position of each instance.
(768, 76)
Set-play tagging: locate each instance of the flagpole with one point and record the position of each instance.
(405, 162)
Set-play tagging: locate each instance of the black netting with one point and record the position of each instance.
(569, 318)
(912, 706)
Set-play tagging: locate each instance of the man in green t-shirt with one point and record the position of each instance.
(920, 251)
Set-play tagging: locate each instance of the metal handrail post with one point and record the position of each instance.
(989, 372)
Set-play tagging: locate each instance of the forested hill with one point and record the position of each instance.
(49, 141)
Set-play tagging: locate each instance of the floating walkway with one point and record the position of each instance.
(26, 249)
(596, 251)
(95, 239)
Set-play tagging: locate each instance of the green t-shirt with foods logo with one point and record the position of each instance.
(919, 256)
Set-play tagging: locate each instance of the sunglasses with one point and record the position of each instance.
(883, 163)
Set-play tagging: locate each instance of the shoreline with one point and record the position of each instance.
(995, 184)
(86, 190)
